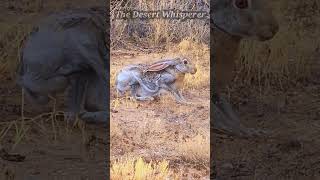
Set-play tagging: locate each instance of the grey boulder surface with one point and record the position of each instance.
(67, 52)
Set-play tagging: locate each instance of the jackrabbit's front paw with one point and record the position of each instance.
(184, 102)
(146, 98)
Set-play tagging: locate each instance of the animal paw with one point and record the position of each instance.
(146, 98)
(184, 102)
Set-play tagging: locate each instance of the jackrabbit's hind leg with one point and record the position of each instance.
(226, 107)
(133, 90)
(37, 89)
(75, 97)
(40, 85)
(144, 98)
(36, 99)
(98, 117)
(121, 90)
(135, 95)
(96, 105)
(120, 93)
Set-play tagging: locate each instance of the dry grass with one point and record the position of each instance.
(154, 137)
(288, 58)
(157, 33)
(27, 6)
(195, 149)
(199, 55)
(13, 32)
(11, 36)
(46, 124)
(113, 75)
(138, 169)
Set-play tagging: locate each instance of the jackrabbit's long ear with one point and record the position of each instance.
(157, 66)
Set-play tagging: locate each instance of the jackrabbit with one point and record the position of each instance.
(149, 81)
(233, 20)
(67, 52)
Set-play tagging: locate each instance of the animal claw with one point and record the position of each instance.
(227, 121)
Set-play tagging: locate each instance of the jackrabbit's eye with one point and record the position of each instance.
(241, 4)
(185, 62)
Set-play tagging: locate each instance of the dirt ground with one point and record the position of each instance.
(293, 118)
(162, 130)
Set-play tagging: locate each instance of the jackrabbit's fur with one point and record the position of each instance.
(67, 52)
(147, 82)
(233, 20)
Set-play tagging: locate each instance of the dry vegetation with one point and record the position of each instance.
(157, 34)
(11, 36)
(291, 56)
(131, 168)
